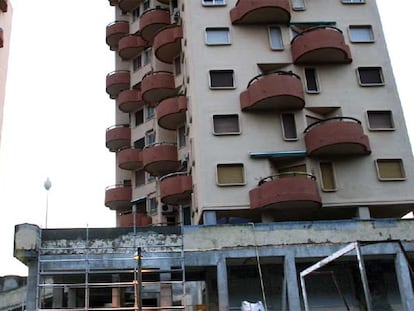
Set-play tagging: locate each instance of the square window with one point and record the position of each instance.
(139, 178)
(390, 169)
(370, 76)
(380, 120)
(222, 79)
(298, 5)
(230, 174)
(311, 78)
(361, 34)
(226, 124)
(288, 126)
(217, 36)
(327, 176)
(181, 137)
(213, 2)
(275, 37)
(139, 117)
(137, 63)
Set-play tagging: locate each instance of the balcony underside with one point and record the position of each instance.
(128, 5)
(287, 195)
(160, 160)
(131, 46)
(158, 86)
(129, 159)
(118, 137)
(117, 82)
(152, 21)
(273, 92)
(261, 12)
(337, 138)
(171, 112)
(328, 55)
(176, 190)
(114, 33)
(167, 44)
(118, 198)
(129, 101)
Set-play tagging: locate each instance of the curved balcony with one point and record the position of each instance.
(260, 12)
(118, 197)
(129, 159)
(279, 90)
(152, 21)
(320, 45)
(131, 46)
(160, 159)
(117, 81)
(141, 220)
(167, 43)
(114, 32)
(171, 112)
(288, 193)
(118, 136)
(336, 136)
(129, 100)
(158, 85)
(3, 6)
(128, 5)
(176, 188)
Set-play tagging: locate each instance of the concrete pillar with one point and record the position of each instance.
(31, 297)
(72, 298)
(57, 293)
(363, 212)
(209, 218)
(222, 284)
(404, 282)
(291, 279)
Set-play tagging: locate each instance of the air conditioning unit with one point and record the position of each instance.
(167, 209)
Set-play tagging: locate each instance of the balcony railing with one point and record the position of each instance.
(318, 45)
(118, 197)
(171, 112)
(176, 188)
(151, 21)
(261, 12)
(114, 32)
(291, 194)
(160, 158)
(336, 136)
(279, 90)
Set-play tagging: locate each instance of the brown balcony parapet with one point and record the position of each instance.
(131, 46)
(261, 12)
(118, 197)
(3, 6)
(129, 158)
(321, 44)
(118, 136)
(114, 32)
(157, 85)
(291, 191)
(128, 5)
(278, 90)
(141, 220)
(176, 188)
(130, 100)
(171, 112)
(160, 158)
(167, 43)
(336, 136)
(152, 20)
(117, 81)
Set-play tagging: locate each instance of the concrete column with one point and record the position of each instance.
(209, 218)
(404, 282)
(57, 293)
(222, 284)
(291, 279)
(31, 297)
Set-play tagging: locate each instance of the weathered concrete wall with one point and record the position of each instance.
(13, 299)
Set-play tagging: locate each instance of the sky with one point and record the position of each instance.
(57, 110)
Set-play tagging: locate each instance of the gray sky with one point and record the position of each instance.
(57, 111)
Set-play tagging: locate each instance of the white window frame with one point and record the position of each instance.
(280, 47)
(225, 30)
(221, 87)
(213, 2)
(392, 128)
(226, 133)
(370, 84)
(369, 30)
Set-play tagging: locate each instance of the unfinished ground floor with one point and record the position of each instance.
(330, 265)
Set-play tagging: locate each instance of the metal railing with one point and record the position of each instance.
(330, 119)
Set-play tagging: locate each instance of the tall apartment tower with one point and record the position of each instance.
(5, 25)
(254, 111)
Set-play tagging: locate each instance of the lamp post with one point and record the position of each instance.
(47, 184)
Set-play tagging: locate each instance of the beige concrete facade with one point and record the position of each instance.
(5, 27)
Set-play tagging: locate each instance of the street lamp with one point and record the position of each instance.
(47, 184)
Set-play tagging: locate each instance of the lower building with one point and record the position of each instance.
(12, 293)
(323, 265)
